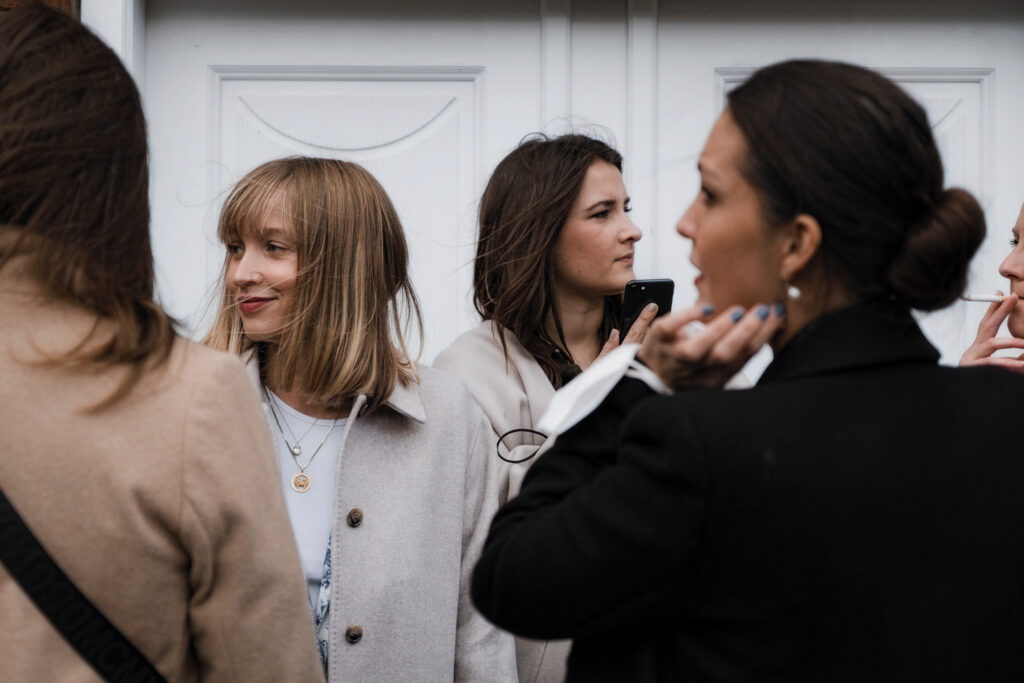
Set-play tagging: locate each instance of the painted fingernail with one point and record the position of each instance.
(780, 309)
(736, 315)
(762, 312)
(707, 309)
(651, 308)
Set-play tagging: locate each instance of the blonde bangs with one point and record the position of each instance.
(250, 201)
(353, 300)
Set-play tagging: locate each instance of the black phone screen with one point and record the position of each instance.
(638, 294)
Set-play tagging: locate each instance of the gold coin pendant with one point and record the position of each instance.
(301, 482)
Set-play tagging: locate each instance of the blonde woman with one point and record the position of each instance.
(383, 463)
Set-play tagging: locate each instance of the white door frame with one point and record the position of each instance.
(122, 25)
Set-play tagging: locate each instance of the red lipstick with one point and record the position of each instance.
(252, 304)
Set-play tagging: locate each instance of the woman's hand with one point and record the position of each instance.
(687, 357)
(987, 343)
(637, 331)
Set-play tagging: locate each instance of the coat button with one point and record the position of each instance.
(355, 517)
(354, 634)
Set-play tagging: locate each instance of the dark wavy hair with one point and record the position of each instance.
(850, 148)
(74, 205)
(522, 212)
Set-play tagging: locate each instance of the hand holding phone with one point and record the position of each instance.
(638, 294)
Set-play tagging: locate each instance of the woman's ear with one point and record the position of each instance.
(801, 239)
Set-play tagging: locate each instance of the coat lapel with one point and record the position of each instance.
(405, 400)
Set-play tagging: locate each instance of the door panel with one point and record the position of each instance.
(403, 126)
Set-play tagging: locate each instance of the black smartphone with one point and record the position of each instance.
(638, 294)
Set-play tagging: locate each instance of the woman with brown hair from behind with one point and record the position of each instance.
(138, 459)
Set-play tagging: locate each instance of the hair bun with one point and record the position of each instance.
(931, 271)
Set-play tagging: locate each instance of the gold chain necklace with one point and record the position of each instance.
(301, 482)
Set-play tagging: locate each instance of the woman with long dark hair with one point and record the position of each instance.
(856, 515)
(137, 459)
(554, 253)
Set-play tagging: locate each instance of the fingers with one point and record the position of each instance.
(696, 346)
(995, 315)
(998, 343)
(638, 330)
(746, 336)
(682, 356)
(1014, 364)
(611, 344)
(659, 346)
(982, 349)
(669, 326)
(773, 323)
(727, 334)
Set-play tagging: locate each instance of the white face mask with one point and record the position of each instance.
(581, 396)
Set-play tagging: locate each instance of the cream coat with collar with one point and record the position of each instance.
(513, 393)
(417, 470)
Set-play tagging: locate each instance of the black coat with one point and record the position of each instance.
(857, 516)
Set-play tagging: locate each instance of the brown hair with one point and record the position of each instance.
(850, 148)
(522, 212)
(353, 297)
(74, 185)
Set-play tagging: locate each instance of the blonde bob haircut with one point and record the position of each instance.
(353, 300)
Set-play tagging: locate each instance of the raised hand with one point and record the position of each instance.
(683, 356)
(636, 332)
(987, 343)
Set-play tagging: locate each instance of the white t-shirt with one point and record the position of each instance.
(310, 512)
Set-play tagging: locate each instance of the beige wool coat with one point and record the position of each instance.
(513, 394)
(165, 509)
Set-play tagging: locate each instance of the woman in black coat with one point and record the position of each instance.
(856, 516)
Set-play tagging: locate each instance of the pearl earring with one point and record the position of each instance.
(793, 292)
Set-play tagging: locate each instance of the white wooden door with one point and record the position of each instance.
(429, 98)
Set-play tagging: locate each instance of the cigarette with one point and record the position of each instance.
(987, 298)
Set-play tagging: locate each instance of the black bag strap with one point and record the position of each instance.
(84, 627)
